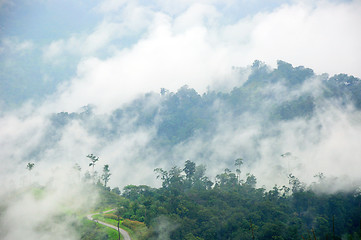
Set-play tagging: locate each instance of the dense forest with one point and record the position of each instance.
(190, 206)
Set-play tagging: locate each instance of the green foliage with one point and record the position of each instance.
(92, 231)
(192, 207)
(232, 209)
(303, 106)
(107, 199)
(111, 216)
(181, 115)
(132, 224)
(189, 169)
(116, 190)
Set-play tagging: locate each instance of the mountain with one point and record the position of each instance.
(289, 108)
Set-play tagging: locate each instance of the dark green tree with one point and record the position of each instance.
(93, 159)
(238, 163)
(189, 169)
(30, 166)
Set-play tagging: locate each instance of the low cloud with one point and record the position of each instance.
(40, 211)
(325, 142)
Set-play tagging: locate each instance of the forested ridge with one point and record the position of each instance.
(278, 95)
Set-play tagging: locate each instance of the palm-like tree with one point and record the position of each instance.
(93, 159)
(30, 166)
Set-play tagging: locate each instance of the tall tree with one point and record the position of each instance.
(93, 159)
(238, 163)
(163, 175)
(189, 169)
(106, 174)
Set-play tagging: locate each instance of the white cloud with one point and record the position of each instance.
(19, 133)
(110, 5)
(83, 45)
(42, 209)
(16, 46)
(324, 37)
(107, 37)
(162, 59)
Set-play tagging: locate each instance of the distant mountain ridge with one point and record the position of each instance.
(277, 94)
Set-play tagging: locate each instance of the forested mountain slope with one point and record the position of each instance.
(281, 94)
(290, 108)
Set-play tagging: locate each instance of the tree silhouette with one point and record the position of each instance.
(30, 166)
(106, 174)
(238, 163)
(93, 159)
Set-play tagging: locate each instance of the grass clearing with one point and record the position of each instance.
(135, 233)
(92, 231)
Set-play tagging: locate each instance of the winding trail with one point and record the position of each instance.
(122, 231)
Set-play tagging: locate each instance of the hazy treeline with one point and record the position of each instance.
(267, 113)
(277, 95)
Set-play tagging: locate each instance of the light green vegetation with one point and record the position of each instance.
(134, 230)
(38, 192)
(92, 231)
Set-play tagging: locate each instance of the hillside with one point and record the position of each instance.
(289, 107)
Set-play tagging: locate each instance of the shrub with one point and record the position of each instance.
(111, 216)
(132, 224)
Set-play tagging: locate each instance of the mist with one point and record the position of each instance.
(324, 142)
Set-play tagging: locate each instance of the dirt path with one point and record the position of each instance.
(122, 231)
